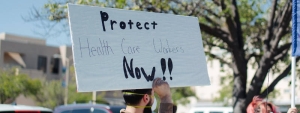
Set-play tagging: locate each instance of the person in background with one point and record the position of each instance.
(259, 106)
(265, 107)
(253, 104)
(143, 100)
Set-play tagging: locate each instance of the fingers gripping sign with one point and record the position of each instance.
(162, 89)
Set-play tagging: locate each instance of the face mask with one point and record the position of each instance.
(154, 104)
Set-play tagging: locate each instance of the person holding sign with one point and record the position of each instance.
(143, 100)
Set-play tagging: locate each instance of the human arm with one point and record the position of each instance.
(162, 89)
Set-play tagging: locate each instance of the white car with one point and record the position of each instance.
(211, 110)
(8, 108)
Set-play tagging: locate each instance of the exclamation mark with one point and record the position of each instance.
(163, 67)
(170, 66)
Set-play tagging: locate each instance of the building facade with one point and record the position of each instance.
(32, 56)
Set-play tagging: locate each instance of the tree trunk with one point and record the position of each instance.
(240, 106)
(239, 93)
(259, 78)
(240, 81)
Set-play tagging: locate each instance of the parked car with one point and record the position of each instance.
(8, 108)
(116, 108)
(211, 110)
(88, 108)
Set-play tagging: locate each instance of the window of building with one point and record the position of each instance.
(55, 65)
(42, 63)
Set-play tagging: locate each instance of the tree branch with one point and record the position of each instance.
(286, 14)
(249, 56)
(194, 9)
(282, 52)
(217, 2)
(238, 28)
(216, 32)
(210, 11)
(269, 32)
(274, 83)
(223, 6)
(283, 25)
(214, 45)
(210, 20)
(219, 58)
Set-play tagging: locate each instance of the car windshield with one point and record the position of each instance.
(85, 111)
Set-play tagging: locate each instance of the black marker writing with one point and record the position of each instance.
(105, 16)
(126, 67)
(137, 73)
(149, 77)
(163, 67)
(170, 66)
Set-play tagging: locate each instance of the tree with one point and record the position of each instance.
(13, 85)
(226, 91)
(179, 95)
(246, 32)
(52, 93)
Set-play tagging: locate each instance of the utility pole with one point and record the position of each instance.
(67, 81)
(94, 97)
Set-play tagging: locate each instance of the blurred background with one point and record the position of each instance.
(247, 44)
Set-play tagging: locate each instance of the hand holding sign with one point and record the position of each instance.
(162, 89)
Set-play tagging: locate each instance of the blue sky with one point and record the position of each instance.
(11, 21)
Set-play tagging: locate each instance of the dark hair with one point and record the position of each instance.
(174, 108)
(134, 96)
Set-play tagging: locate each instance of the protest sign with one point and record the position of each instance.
(115, 49)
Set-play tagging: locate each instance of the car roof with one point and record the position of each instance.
(83, 105)
(117, 106)
(80, 106)
(10, 107)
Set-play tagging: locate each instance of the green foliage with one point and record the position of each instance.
(83, 97)
(179, 95)
(53, 93)
(273, 94)
(13, 85)
(225, 93)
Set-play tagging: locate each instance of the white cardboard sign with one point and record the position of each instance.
(118, 49)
